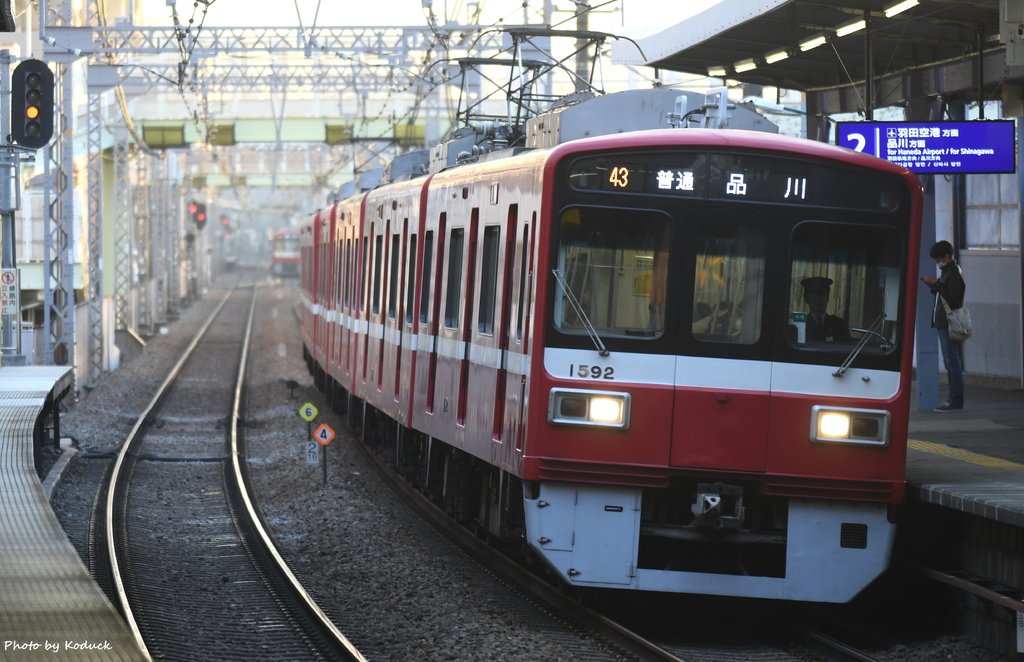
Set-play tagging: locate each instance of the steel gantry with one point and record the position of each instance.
(398, 64)
(58, 206)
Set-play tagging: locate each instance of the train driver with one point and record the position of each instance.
(821, 326)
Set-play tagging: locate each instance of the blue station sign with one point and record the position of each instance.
(982, 146)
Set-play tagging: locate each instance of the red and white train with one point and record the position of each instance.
(612, 348)
(284, 252)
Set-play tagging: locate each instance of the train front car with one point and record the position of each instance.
(721, 402)
(285, 252)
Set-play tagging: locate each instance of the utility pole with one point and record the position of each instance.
(582, 25)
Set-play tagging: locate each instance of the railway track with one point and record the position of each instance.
(785, 643)
(191, 565)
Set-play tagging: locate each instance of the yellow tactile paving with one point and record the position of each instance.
(965, 456)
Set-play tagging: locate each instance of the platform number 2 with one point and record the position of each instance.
(591, 371)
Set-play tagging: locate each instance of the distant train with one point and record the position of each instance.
(666, 360)
(284, 252)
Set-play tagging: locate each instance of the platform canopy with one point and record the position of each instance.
(815, 46)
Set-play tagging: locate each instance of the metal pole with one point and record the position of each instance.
(8, 179)
(869, 70)
(979, 43)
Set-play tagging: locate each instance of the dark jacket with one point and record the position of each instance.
(951, 287)
(830, 329)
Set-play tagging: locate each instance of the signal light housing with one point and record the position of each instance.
(32, 104)
(197, 210)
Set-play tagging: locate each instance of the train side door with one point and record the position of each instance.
(722, 392)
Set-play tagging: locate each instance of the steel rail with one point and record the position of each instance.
(254, 520)
(115, 476)
(629, 641)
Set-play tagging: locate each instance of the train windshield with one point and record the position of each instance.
(614, 263)
(744, 256)
(728, 284)
(844, 285)
(288, 243)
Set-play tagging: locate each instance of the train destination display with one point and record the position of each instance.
(981, 146)
(733, 177)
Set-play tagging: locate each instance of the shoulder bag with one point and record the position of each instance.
(959, 321)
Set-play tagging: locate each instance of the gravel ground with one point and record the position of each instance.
(388, 581)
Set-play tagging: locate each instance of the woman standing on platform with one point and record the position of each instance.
(951, 287)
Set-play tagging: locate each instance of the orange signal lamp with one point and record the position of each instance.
(32, 112)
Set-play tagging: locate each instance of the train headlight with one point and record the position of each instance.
(833, 425)
(606, 409)
(868, 427)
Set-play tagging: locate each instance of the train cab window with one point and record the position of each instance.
(488, 280)
(428, 267)
(612, 268)
(844, 286)
(728, 285)
(453, 293)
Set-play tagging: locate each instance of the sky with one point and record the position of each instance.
(633, 18)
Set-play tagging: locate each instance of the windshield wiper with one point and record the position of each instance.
(578, 309)
(871, 330)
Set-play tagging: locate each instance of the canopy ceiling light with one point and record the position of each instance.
(850, 28)
(813, 42)
(777, 56)
(745, 65)
(900, 7)
(716, 72)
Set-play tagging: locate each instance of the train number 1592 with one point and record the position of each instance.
(591, 371)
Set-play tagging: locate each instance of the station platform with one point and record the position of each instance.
(963, 523)
(971, 460)
(50, 607)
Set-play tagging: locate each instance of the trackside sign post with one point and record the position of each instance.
(324, 435)
(308, 412)
(971, 147)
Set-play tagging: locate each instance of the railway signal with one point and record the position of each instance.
(197, 210)
(32, 104)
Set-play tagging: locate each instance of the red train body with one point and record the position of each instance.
(608, 349)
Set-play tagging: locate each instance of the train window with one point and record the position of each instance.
(410, 278)
(428, 265)
(395, 259)
(362, 276)
(378, 254)
(844, 286)
(728, 285)
(520, 309)
(488, 280)
(348, 277)
(613, 267)
(340, 267)
(453, 294)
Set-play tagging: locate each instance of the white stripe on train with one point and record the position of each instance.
(657, 369)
